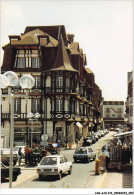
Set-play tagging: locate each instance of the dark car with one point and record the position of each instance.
(87, 141)
(51, 148)
(5, 172)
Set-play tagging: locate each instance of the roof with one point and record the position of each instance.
(62, 61)
(31, 38)
(88, 71)
(55, 31)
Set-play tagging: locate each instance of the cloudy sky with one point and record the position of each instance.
(102, 28)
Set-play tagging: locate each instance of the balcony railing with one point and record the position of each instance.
(6, 116)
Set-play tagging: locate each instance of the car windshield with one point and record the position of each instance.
(49, 161)
(81, 151)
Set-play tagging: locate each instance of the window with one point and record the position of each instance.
(119, 110)
(59, 84)
(107, 110)
(67, 84)
(21, 62)
(59, 105)
(131, 110)
(35, 105)
(37, 81)
(107, 116)
(53, 105)
(35, 62)
(66, 105)
(17, 105)
(119, 115)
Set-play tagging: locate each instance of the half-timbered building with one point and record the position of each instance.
(65, 94)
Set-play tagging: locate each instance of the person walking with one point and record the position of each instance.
(27, 151)
(107, 159)
(20, 156)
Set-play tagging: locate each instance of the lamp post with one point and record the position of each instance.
(10, 79)
(32, 117)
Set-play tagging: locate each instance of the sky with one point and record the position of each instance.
(102, 28)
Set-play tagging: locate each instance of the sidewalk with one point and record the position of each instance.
(117, 179)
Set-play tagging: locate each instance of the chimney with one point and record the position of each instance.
(70, 37)
(14, 39)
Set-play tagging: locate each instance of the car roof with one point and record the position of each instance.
(54, 156)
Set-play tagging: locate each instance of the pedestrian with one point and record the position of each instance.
(107, 159)
(27, 152)
(20, 156)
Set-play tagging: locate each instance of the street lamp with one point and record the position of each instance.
(32, 117)
(10, 79)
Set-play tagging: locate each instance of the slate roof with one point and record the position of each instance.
(62, 61)
(88, 71)
(54, 31)
(31, 38)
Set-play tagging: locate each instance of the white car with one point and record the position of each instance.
(84, 154)
(54, 165)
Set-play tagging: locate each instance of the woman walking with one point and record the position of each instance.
(20, 156)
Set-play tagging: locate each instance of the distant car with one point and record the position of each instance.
(52, 148)
(54, 165)
(84, 154)
(102, 133)
(87, 141)
(5, 172)
(96, 136)
(16, 149)
(5, 156)
(93, 138)
(99, 134)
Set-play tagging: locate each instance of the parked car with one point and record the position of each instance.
(54, 165)
(93, 138)
(87, 141)
(84, 154)
(5, 156)
(102, 133)
(99, 134)
(16, 149)
(52, 148)
(5, 172)
(96, 136)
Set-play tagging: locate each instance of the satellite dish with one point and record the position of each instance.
(44, 137)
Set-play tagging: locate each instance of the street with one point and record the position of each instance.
(83, 174)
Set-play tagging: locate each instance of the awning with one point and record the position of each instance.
(79, 125)
(123, 134)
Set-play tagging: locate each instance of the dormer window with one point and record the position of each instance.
(27, 59)
(35, 62)
(21, 62)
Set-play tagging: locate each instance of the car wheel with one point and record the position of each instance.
(88, 160)
(40, 177)
(59, 175)
(14, 177)
(70, 171)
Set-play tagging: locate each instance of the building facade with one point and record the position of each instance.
(113, 113)
(129, 102)
(65, 93)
